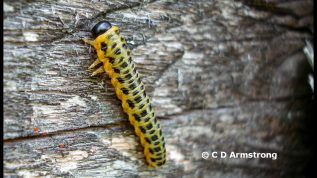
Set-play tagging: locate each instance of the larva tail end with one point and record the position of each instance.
(156, 165)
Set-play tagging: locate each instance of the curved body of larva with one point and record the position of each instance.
(113, 52)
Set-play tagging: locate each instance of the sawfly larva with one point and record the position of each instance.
(115, 57)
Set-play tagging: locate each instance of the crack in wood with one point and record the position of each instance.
(64, 132)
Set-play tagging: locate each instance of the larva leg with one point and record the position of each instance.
(105, 68)
(88, 41)
(96, 62)
(100, 70)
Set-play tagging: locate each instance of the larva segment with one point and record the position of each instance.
(113, 52)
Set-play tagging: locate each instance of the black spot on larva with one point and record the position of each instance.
(124, 46)
(128, 76)
(120, 60)
(159, 164)
(126, 72)
(118, 51)
(135, 92)
(122, 39)
(103, 46)
(151, 150)
(113, 45)
(120, 80)
(154, 137)
(149, 126)
(151, 114)
(130, 81)
(130, 59)
(128, 52)
(153, 159)
(148, 100)
(163, 142)
(143, 113)
(156, 143)
(164, 150)
(116, 70)
(159, 158)
(139, 81)
(160, 132)
(146, 119)
(158, 126)
(132, 86)
(138, 99)
(152, 131)
(142, 129)
(110, 37)
(124, 65)
(130, 103)
(155, 120)
(148, 140)
(157, 149)
(134, 70)
(164, 161)
(117, 31)
(111, 60)
(142, 87)
(125, 90)
(137, 117)
(150, 107)
(141, 106)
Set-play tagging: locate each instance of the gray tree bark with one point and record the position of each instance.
(224, 75)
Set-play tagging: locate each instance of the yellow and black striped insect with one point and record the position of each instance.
(115, 57)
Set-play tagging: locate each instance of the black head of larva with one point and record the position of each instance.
(100, 28)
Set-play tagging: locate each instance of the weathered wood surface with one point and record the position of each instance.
(224, 76)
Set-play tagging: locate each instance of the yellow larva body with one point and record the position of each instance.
(113, 52)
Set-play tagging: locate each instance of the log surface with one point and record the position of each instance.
(224, 75)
